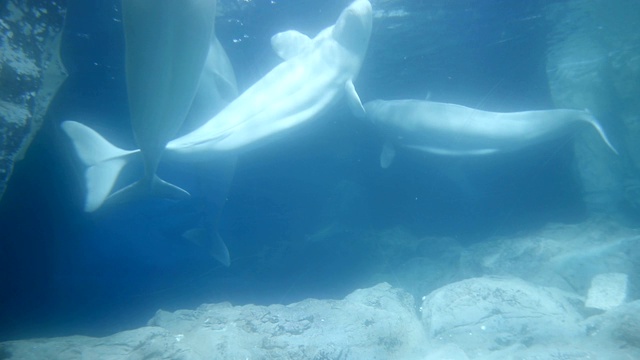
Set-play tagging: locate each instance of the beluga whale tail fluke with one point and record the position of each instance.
(103, 164)
(455, 130)
(102, 160)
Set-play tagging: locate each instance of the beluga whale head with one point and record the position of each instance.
(353, 28)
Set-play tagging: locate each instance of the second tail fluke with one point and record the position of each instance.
(103, 161)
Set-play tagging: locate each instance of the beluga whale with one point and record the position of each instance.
(316, 73)
(456, 130)
(166, 46)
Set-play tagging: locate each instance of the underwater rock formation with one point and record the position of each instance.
(374, 323)
(519, 297)
(30, 73)
(478, 318)
(567, 257)
(593, 62)
(618, 324)
(493, 313)
(508, 318)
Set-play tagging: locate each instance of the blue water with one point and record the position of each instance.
(66, 272)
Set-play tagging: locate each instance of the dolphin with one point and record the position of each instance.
(455, 130)
(166, 46)
(316, 74)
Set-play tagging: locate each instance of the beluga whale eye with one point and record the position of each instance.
(353, 28)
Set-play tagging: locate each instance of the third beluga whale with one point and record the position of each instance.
(455, 130)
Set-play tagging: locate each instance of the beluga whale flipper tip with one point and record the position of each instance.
(456, 130)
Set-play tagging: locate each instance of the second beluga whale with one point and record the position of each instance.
(456, 130)
(316, 74)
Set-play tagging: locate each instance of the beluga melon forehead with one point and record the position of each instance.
(353, 28)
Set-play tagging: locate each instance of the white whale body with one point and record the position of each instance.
(166, 45)
(217, 87)
(316, 74)
(455, 130)
(178, 68)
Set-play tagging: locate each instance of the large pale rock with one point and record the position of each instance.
(484, 315)
(507, 318)
(143, 343)
(563, 256)
(580, 349)
(375, 323)
(448, 352)
(607, 291)
(621, 326)
(30, 73)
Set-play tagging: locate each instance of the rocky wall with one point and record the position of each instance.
(593, 62)
(30, 73)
